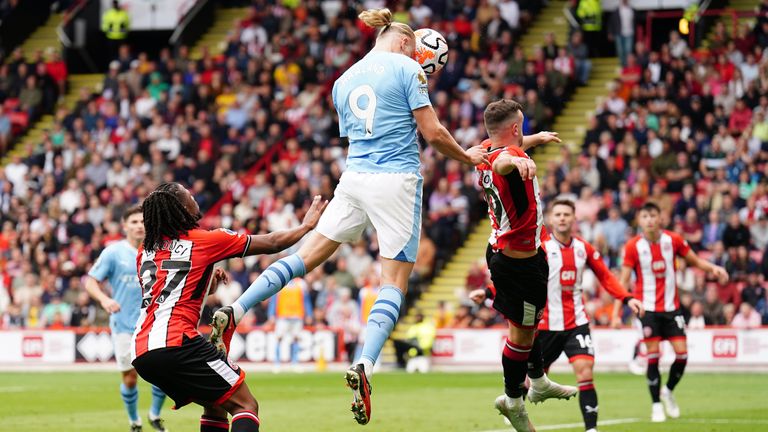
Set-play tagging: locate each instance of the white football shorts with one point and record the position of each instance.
(391, 202)
(122, 346)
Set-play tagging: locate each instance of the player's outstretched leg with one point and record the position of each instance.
(244, 409)
(158, 398)
(381, 322)
(582, 367)
(271, 280)
(130, 394)
(675, 374)
(542, 388)
(511, 405)
(654, 384)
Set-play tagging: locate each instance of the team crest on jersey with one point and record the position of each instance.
(596, 255)
(666, 247)
(647, 331)
(422, 78)
(540, 314)
(580, 253)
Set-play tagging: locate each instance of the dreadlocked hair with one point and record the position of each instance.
(165, 216)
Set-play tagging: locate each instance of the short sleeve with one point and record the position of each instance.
(416, 90)
(102, 268)
(680, 245)
(342, 123)
(630, 255)
(223, 244)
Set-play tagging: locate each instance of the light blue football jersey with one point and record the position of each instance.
(375, 99)
(117, 264)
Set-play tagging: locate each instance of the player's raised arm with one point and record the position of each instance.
(696, 261)
(610, 283)
(506, 163)
(280, 240)
(438, 136)
(535, 140)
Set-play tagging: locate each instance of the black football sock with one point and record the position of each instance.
(588, 403)
(514, 360)
(677, 369)
(245, 421)
(654, 377)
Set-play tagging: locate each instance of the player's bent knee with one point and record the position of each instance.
(583, 370)
(396, 273)
(241, 400)
(130, 378)
(679, 345)
(521, 336)
(652, 345)
(214, 411)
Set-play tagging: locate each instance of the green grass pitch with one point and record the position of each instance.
(80, 401)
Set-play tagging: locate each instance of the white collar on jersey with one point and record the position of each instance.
(570, 243)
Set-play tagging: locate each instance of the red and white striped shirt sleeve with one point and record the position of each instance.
(604, 275)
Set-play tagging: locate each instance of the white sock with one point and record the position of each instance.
(152, 416)
(367, 366)
(238, 312)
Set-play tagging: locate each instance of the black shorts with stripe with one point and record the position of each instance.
(663, 325)
(576, 342)
(192, 372)
(521, 286)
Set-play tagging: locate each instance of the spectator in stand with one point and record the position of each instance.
(753, 292)
(84, 312)
(696, 320)
(713, 308)
(747, 318)
(621, 30)
(735, 233)
(344, 314)
(713, 230)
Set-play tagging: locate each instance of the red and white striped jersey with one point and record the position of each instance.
(514, 207)
(565, 302)
(175, 280)
(654, 265)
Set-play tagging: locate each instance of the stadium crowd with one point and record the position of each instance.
(689, 131)
(253, 134)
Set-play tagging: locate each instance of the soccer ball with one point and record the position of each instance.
(431, 50)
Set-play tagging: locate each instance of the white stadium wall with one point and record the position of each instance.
(710, 349)
(720, 349)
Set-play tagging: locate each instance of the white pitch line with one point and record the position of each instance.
(13, 389)
(579, 425)
(637, 420)
(721, 421)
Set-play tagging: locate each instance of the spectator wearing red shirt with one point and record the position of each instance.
(741, 118)
(57, 69)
